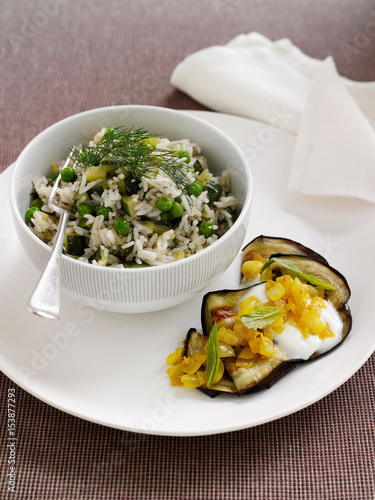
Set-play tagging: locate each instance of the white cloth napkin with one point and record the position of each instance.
(276, 83)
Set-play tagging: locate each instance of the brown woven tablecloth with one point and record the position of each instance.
(59, 57)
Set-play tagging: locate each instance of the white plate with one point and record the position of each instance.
(110, 368)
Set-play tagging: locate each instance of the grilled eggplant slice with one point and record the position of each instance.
(222, 307)
(265, 246)
(262, 374)
(219, 307)
(311, 310)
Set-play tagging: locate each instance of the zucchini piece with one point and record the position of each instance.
(132, 264)
(99, 189)
(54, 167)
(175, 147)
(75, 244)
(214, 190)
(101, 256)
(33, 195)
(151, 141)
(48, 235)
(121, 187)
(175, 222)
(124, 252)
(99, 172)
(81, 197)
(131, 185)
(129, 204)
(151, 174)
(204, 177)
(83, 222)
(198, 167)
(43, 215)
(156, 227)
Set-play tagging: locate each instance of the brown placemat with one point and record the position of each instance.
(325, 451)
(59, 57)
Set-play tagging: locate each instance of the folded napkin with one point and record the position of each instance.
(276, 83)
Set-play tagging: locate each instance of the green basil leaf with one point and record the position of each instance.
(291, 267)
(261, 317)
(213, 356)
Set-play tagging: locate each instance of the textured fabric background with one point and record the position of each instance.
(59, 57)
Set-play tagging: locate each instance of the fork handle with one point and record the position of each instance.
(45, 299)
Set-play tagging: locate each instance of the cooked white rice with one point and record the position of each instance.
(141, 245)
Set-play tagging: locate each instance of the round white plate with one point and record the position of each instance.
(110, 368)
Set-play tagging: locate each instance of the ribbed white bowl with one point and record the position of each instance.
(143, 289)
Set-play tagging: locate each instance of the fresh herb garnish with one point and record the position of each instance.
(261, 317)
(213, 356)
(291, 267)
(132, 150)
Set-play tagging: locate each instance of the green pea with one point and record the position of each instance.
(178, 199)
(121, 226)
(36, 203)
(53, 176)
(164, 203)
(30, 213)
(206, 228)
(176, 210)
(195, 188)
(104, 211)
(68, 174)
(184, 154)
(84, 209)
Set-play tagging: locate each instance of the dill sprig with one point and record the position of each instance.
(132, 150)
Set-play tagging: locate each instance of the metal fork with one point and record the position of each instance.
(45, 299)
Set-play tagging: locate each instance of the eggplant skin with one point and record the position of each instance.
(273, 377)
(210, 392)
(225, 386)
(220, 303)
(269, 245)
(188, 350)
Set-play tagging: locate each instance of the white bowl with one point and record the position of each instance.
(143, 289)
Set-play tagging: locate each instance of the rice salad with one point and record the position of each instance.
(123, 216)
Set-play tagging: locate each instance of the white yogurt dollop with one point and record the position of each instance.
(291, 340)
(258, 291)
